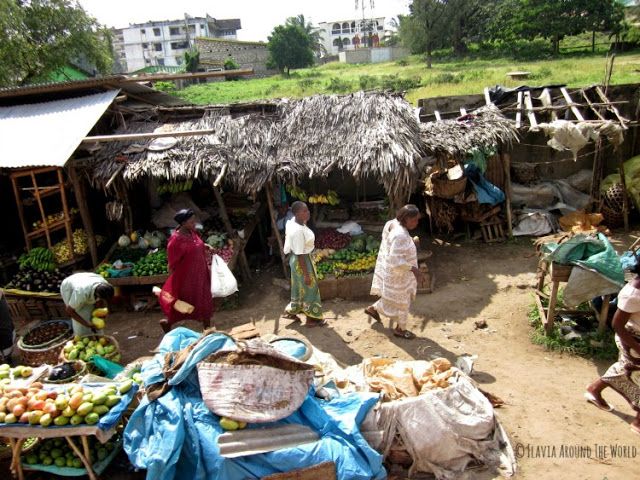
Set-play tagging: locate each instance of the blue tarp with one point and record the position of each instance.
(176, 436)
(486, 191)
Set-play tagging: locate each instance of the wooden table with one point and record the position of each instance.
(518, 75)
(560, 273)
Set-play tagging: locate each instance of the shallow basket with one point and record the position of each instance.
(254, 393)
(65, 335)
(35, 357)
(63, 357)
(78, 365)
(442, 187)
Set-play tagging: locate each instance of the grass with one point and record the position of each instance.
(580, 346)
(447, 77)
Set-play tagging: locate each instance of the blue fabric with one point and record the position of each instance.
(176, 436)
(293, 348)
(486, 191)
(628, 261)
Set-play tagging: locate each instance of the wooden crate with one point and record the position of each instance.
(322, 471)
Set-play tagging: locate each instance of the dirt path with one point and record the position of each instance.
(549, 423)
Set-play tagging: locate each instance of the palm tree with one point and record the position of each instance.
(314, 34)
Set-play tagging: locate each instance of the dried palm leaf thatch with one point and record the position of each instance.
(484, 128)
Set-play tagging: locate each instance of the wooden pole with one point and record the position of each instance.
(45, 225)
(81, 200)
(506, 165)
(16, 193)
(244, 264)
(625, 198)
(274, 225)
(132, 137)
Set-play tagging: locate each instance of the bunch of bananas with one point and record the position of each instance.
(298, 193)
(318, 255)
(331, 198)
(361, 265)
(175, 187)
(39, 258)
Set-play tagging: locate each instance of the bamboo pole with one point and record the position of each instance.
(274, 225)
(81, 200)
(67, 215)
(16, 193)
(625, 197)
(132, 137)
(506, 165)
(45, 225)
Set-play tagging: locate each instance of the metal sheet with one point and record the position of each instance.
(47, 134)
(260, 440)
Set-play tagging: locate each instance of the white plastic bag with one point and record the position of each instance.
(223, 283)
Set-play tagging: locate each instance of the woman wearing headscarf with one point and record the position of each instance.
(299, 242)
(624, 375)
(396, 274)
(189, 276)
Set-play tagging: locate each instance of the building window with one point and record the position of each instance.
(353, 27)
(192, 29)
(147, 61)
(345, 27)
(380, 28)
(346, 41)
(335, 29)
(145, 46)
(337, 42)
(156, 32)
(174, 31)
(179, 60)
(179, 45)
(157, 47)
(160, 61)
(142, 31)
(202, 26)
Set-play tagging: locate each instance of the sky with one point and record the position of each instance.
(258, 17)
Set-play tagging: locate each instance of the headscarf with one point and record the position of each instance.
(183, 215)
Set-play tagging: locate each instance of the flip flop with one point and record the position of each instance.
(316, 323)
(591, 398)
(375, 315)
(406, 334)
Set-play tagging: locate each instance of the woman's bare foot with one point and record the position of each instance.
(166, 328)
(593, 395)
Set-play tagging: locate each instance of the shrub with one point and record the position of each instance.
(368, 82)
(231, 64)
(403, 62)
(337, 85)
(446, 77)
(168, 87)
(396, 84)
(306, 83)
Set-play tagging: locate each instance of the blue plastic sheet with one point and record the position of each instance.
(486, 191)
(176, 436)
(293, 348)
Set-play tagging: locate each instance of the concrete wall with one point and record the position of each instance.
(246, 54)
(373, 55)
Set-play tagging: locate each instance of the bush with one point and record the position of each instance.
(446, 77)
(231, 64)
(368, 82)
(403, 62)
(337, 85)
(168, 87)
(396, 84)
(306, 83)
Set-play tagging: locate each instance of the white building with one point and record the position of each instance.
(163, 43)
(342, 35)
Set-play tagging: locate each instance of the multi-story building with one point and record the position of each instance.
(342, 35)
(163, 43)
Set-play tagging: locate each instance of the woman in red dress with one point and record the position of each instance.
(189, 276)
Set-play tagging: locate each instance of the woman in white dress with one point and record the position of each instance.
(396, 275)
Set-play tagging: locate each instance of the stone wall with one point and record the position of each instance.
(214, 52)
(373, 55)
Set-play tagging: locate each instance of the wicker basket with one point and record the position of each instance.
(250, 392)
(442, 187)
(67, 333)
(78, 365)
(612, 218)
(38, 356)
(63, 357)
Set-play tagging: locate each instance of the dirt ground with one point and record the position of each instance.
(545, 414)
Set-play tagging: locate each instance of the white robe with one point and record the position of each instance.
(393, 280)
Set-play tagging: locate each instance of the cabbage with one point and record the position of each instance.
(124, 241)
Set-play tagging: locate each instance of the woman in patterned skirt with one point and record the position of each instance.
(624, 375)
(396, 275)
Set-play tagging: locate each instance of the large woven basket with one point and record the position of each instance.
(112, 340)
(442, 187)
(262, 385)
(36, 356)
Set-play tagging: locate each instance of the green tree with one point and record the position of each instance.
(231, 64)
(423, 30)
(191, 60)
(314, 34)
(603, 16)
(290, 47)
(38, 37)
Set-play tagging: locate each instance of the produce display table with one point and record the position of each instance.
(103, 431)
(29, 306)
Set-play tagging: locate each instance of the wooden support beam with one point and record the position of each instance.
(519, 111)
(547, 103)
(274, 226)
(571, 104)
(506, 165)
(592, 106)
(115, 174)
(81, 199)
(530, 113)
(463, 111)
(612, 108)
(132, 137)
(437, 114)
(487, 97)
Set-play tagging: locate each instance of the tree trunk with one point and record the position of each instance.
(593, 41)
(429, 57)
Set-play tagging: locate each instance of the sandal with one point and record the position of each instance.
(316, 322)
(602, 405)
(372, 312)
(291, 316)
(406, 334)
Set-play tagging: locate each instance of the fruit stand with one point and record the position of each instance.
(74, 413)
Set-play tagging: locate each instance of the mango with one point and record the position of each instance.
(10, 418)
(46, 419)
(76, 420)
(112, 400)
(73, 354)
(84, 409)
(100, 409)
(100, 312)
(98, 322)
(91, 418)
(61, 421)
(228, 424)
(76, 400)
(126, 386)
(68, 412)
(3, 416)
(99, 399)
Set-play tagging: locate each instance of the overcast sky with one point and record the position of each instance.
(258, 16)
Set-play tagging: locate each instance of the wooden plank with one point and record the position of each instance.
(551, 312)
(129, 281)
(487, 97)
(571, 104)
(437, 114)
(67, 216)
(274, 226)
(506, 165)
(541, 312)
(547, 103)
(132, 137)
(42, 214)
(463, 111)
(519, 111)
(592, 106)
(530, 113)
(612, 108)
(603, 314)
(80, 194)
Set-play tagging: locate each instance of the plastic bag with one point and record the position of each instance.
(107, 367)
(223, 283)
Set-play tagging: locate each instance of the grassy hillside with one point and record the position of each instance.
(448, 78)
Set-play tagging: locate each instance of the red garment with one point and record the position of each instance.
(190, 278)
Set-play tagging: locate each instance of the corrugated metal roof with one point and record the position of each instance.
(47, 134)
(59, 86)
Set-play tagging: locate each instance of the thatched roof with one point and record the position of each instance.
(483, 128)
(364, 134)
